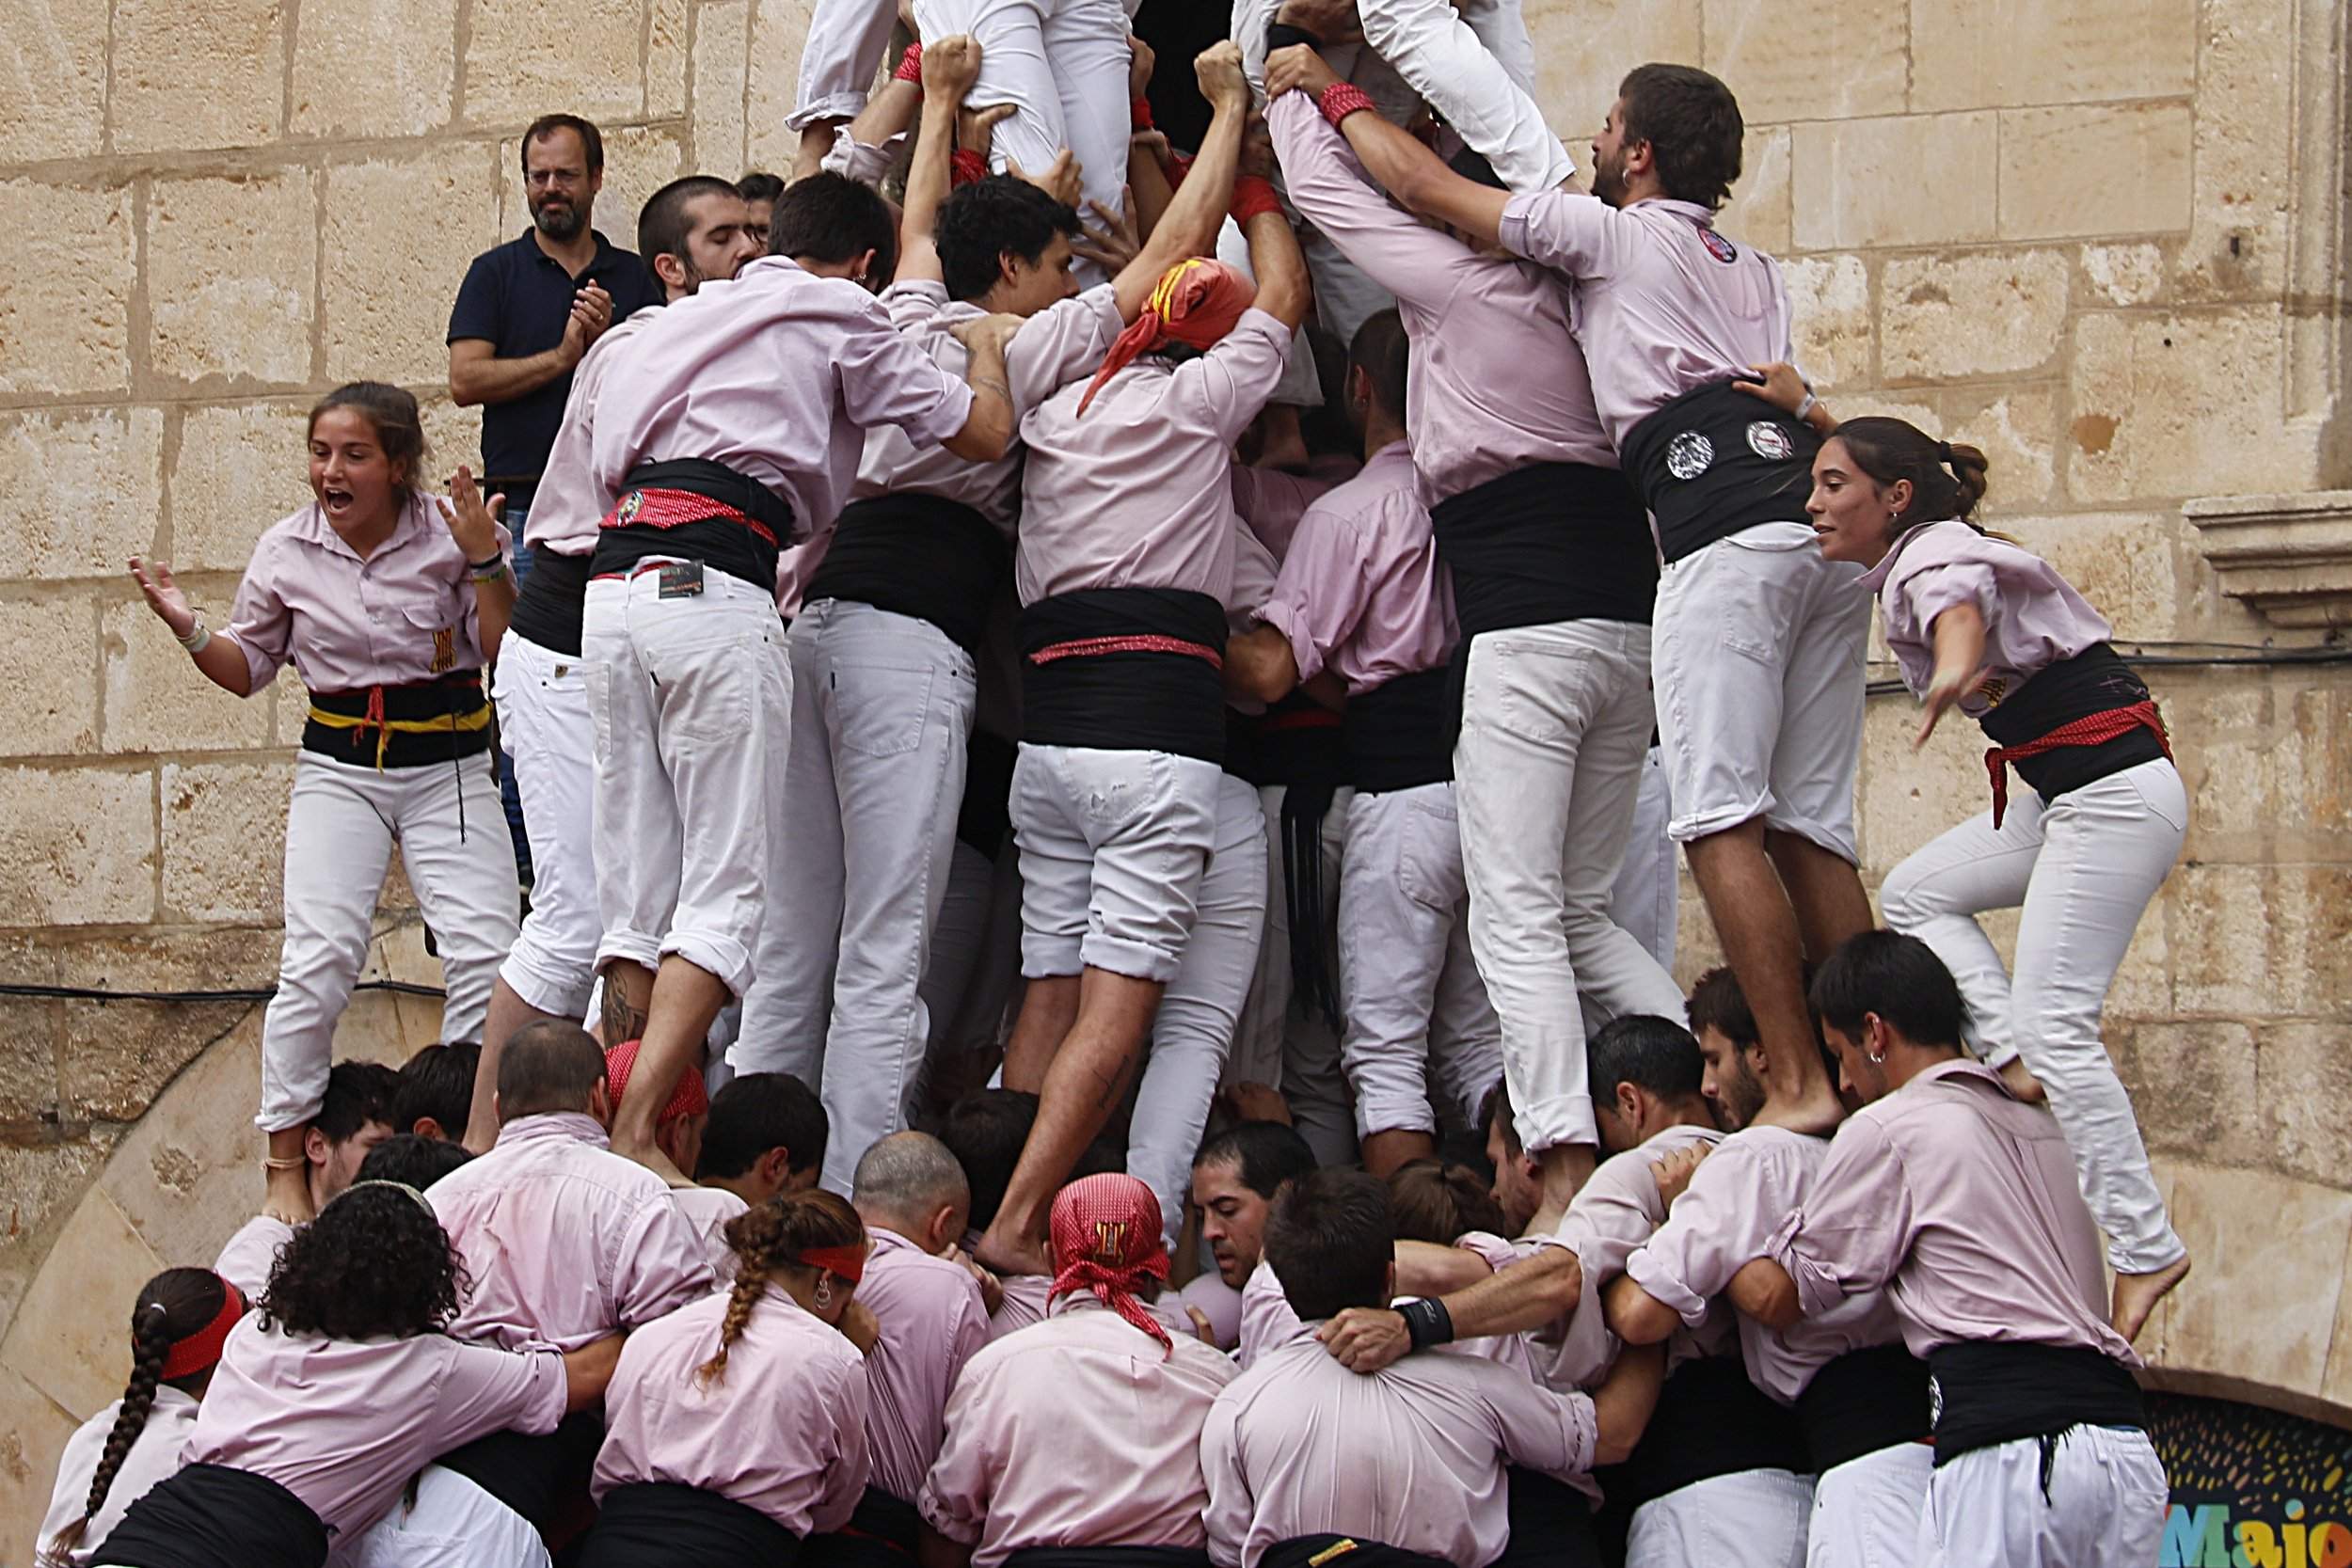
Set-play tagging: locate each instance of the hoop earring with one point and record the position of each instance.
(1876, 1059)
(822, 1295)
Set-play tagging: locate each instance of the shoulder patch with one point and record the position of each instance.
(1719, 248)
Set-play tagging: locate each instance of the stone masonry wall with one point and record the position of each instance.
(2102, 238)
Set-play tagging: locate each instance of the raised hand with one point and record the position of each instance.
(951, 65)
(1297, 66)
(1219, 69)
(1058, 179)
(976, 128)
(164, 596)
(472, 521)
(1114, 242)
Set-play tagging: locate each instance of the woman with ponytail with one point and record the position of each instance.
(1978, 622)
(735, 1427)
(177, 1328)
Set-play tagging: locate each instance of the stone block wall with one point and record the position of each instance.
(2103, 239)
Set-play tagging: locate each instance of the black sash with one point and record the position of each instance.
(446, 703)
(1550, 542)
(531, 1473)
(1298, 744)
(1109, 1557)
(549, 604)
(1865, 1401)
(658, 1524)
(1344, 1551)
(881, 1533)
(1551, 1524)
(2092, 681)
(1397, 734)
(722, 544)
(925, 555)
(984, 820)
(1986, 1393)
(1711, 1420)
(212, 1517)
(1091, 689)
(1714, 462)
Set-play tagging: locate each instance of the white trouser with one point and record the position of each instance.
(542, 699)
(1113, 848)
(1758, 651)
(1193, 1027)
(1062, 65)
(1866, 1512)
(1555, 722)
(1747, 1519)
(1408, 986)
(1646, 896)
(844, 48)
(451, 1521)
(693, 702)
(2104, 1508)
(2084, 867)
(1290, 1047)
(1476, 68)
(340, 826)
(882, 706)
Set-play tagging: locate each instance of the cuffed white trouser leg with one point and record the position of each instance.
(2104, 1508)
(340, 825)
(1556, 719)
(1284, 1043)
(2084, 867)
(1747, 1519)
(1402, 907)
(789, 1005)
(1757, 650)
(1646, 896)
(1194, 1028)
(1866, 1512)
(542, 699)
(1113, 848)
(844, 50)
(1476, 68)
(692, 702)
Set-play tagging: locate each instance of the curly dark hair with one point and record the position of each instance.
(374, 1261)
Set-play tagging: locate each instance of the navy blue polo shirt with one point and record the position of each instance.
(518, 298)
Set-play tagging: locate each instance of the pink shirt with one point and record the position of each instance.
(154, 1454)
(1724, 1219)
(1022, 1305)
(1498, 380)
(406, 613)
(1961, 1203)
(708, 1209)
(1267, 1319)
(1271, 502)
(784, 1431)
(1663, 304)
(1362, 591)
(247, 1256)
(2033, 618)
(932, 1322)
(1411, 1456)
(1138, 492)
(565, 1241)
(777, 374)
(1079, 1432)
(568, 505)
(1067, 339)
(343, 1423)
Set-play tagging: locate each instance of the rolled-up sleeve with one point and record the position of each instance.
(484, 1389)
(1854, 1229)
(1227, 386)
(1723, 1221)
(956, 1493)
(259, 622)
(885, 378)
(1568, 230)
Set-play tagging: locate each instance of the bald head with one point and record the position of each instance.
(909, 1182)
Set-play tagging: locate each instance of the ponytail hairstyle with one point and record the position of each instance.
(1947, 480)
(399, 425)
(176, 1306)
(1439, 1203)
(772, 1237)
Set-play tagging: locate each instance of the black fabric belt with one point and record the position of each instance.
(1987, 1392)
(1299, 745)
(1344, 1551)
(212, 1517)
(1295, 742)
(881, 1533)
(722, 544)
(531, 1474)
(1551, 1524)
(1711, 1420)
(550, 604)
(925, 555)
(412, 725)
(659, 1524)
(2092, 682)
(1125, 669)
(1865, 1401)
(1714, 462)
(1550, 542)
(1397, 734)
(984, 820)
(1109, 1557)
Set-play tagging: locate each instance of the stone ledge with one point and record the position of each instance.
(2288, 556)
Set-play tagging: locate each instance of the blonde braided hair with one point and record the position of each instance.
(768, 1241)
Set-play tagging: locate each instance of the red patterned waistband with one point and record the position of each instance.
(1095, 647)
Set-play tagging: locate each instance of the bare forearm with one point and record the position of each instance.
(1426, 1269)
(1419, 179)
(223, 662)
(1539, 1292)
(988, 429)
(1634, 1315)
(889, 111)
(1959, 634)
(1148, 180)
(1189, 226)
(494, 611)
(1281, 268)
(927, 179)
(488, 379)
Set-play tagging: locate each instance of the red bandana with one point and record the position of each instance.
(201, 1349)
(1106, 1238)
(1196, 301)
(691, 1099)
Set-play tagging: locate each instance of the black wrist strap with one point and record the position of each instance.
(1281, 35)
(1427, 1320)
(487, 562)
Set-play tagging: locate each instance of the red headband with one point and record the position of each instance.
(690, 1099)
(1107, 1240)
(201, 1349)
(846, 1261)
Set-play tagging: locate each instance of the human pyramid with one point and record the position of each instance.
(1303, 601)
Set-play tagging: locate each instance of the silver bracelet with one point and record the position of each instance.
(1806, 406)
(196, 639)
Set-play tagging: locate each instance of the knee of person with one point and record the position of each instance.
(1903, 899)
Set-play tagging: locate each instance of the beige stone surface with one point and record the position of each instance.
(33, 1434)
(71, 1338)
(48, 692)
(119, 1056)
(94, 863)
(1575, 80)
(196, 74)
(52, 79)
(65, 317)
(82, 488)
(2296, 1254)
(721, 76)
(2306, 1075)
(373, 68)
(1832, 61)
(2112, 170)
(40, 1186)
(526, 58)
(231, 277)
(2123, 563)
(237, 468)
(1759, 211)
(1830, 297)
(669, 55)
(224, 836)
(2018, 431)
(390, 279)
(2019, 51)
(1907, 180)
(2124, 274)
(2147, 387)
(2193, 1084)
(1990, 313)
(2245, 189)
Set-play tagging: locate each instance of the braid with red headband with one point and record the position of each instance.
(176, 1332)
(815, 1229)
